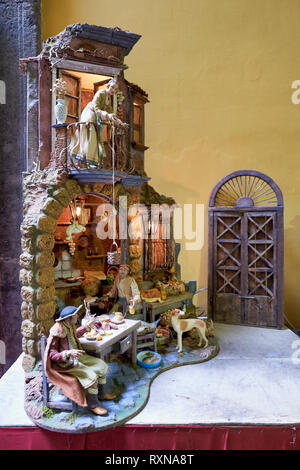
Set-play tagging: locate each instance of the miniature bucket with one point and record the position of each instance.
(114, 257)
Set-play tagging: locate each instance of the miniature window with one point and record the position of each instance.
(73, 96)
(138, 121)
(81, 88)
(159, 251)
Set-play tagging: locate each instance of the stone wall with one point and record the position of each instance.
(43, 204)
(20, 36)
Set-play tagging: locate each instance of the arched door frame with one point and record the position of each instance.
(244, 208)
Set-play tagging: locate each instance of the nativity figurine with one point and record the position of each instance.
(125, 290)
(85, 146)
(70, 368)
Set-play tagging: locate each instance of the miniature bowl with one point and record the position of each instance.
(151, 355)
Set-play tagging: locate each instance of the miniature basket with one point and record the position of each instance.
(114, 257)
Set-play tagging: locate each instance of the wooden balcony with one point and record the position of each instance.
(92, 150)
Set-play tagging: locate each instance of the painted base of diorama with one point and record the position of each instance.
(131, 383)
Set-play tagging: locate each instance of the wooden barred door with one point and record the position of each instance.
(245, 252)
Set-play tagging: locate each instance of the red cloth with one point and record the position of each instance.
(59, 344)
(156, 438)
(69, 386)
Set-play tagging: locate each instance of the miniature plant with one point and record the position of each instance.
(48, 412)
(71, 418)
(60, 87)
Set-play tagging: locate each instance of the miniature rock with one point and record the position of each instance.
(24, 345)
(97, 187)
(45, 294)
(46, 223)
(53, 207)
(34, 387)
(28, 363)
(87, 188)
(28, 230)
(44, 326)
(62, 196)
(73, 188)
(27, 311)
(33, 411)
(45, 259)
(45, 241)
(32, 347)
(26, 277)
(28, 329)
(45, 277)
(26, 261)
(28, 294)
(45, 311)
(27, 245)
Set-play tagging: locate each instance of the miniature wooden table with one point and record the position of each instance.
(127, 329)
(175, 301)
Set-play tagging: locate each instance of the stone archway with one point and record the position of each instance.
(37, 272)
(43, 204)
(46, 194)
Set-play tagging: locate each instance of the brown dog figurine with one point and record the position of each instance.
(186, 324)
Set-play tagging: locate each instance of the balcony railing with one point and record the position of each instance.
(89, 146)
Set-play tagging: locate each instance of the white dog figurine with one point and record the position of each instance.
(186, 324)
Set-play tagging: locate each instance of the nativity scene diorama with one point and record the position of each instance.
(104, 307)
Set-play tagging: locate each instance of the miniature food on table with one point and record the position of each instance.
(118, 318)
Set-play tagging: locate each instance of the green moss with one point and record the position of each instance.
(119, 388)
(150, 196)
(49, 412)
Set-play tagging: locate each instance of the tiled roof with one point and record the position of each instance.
(136, 88)
(115, 36)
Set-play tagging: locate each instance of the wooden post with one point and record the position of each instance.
(60, 153)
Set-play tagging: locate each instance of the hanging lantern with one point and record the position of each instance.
(79, 214)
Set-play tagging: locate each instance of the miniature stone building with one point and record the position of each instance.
(85, 57)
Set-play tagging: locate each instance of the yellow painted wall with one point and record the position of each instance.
(219, 75)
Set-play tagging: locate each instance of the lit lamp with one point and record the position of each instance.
(76, 207)
(78, 211)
